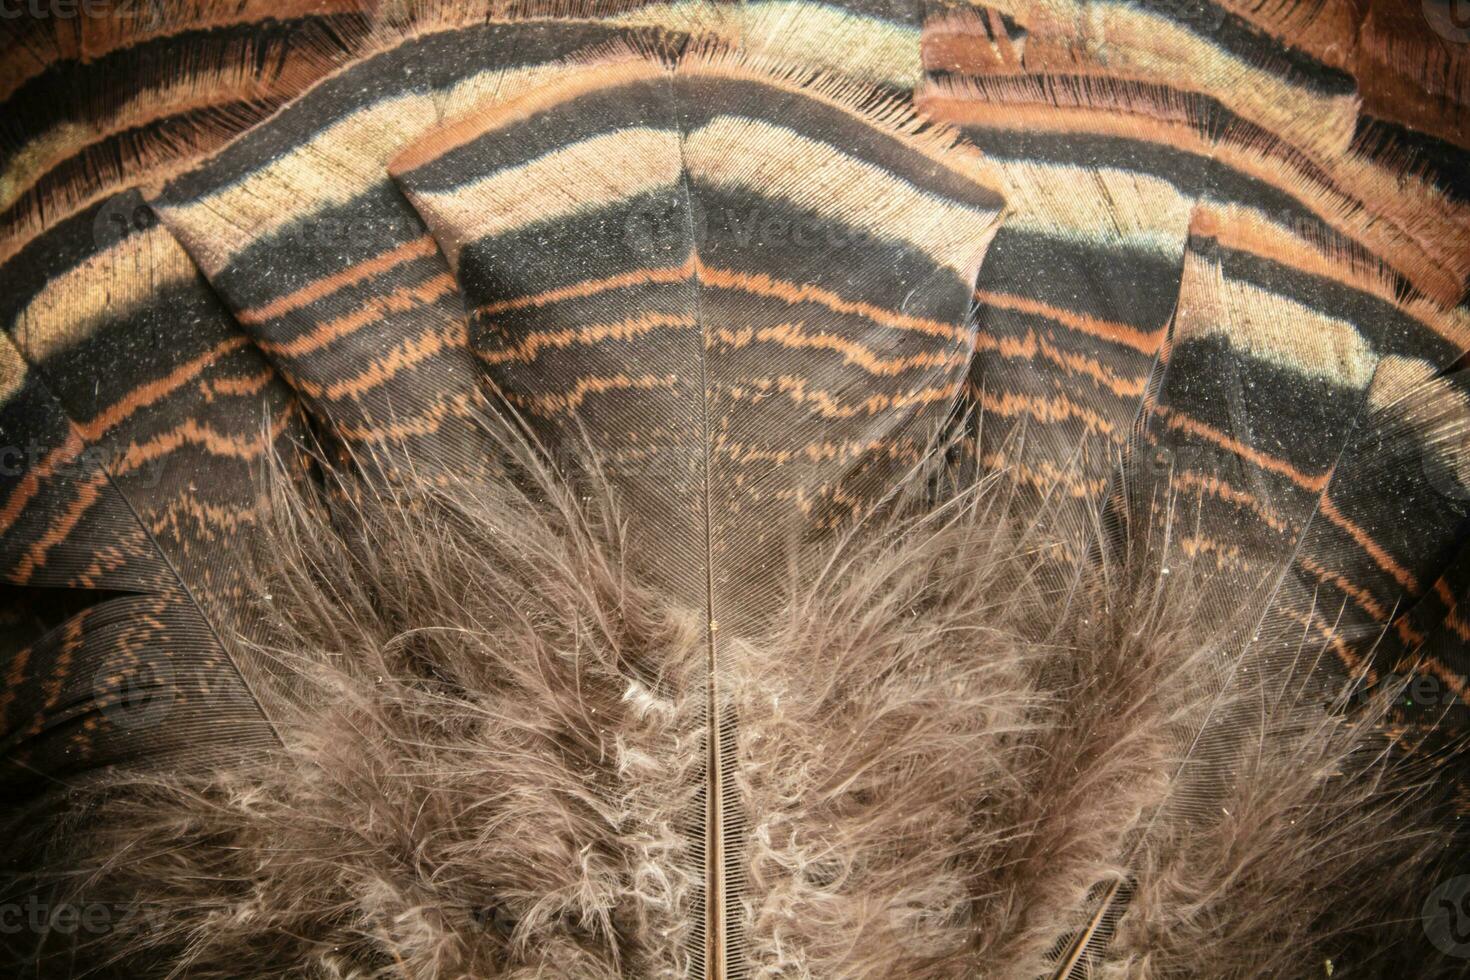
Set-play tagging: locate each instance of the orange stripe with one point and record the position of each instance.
(209, 519)
(375, 308)
(1354, 664)
(1220, 490)
(31, 482)
(1225, 555)
(548, 404)
(248, 384)
(87, 494)
(421, 247)
(1026, 348)
(405, 427)
(531, 345)
(1044, 476)
(763, 285)
(210, 439)
(1045, 410)
(1452, 617)
(412, 351)
(155, 391)
(794, 336)
(1359, 595)
(15, 675)
(542, 98)
(829, 406)
(1177, 420)
(1313, 484)
(592, 287)
(1452, 680)
(72, 635)
(1117, 333)
(755, 284)
(1375, 551)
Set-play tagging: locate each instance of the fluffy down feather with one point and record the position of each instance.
(953, 748)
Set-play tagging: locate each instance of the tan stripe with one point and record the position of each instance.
(132, 22)
(940, 144)
(777, 162)
(473, 94)
(1397, 378)
(1102, 205)
(595, 172)
(804, 33)
(1252, 231)
(1423, 240)
(566, 85)
(329, 170)
(196, 92)
(13, 369)
(1128, 39)
(1100, 106)
(1246, 229)
(1270, 327)
(106, 287)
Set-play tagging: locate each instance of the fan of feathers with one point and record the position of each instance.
(773, 489)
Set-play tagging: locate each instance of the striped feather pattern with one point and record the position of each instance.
(189, 395)
(687, 260)
(1186, 280)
